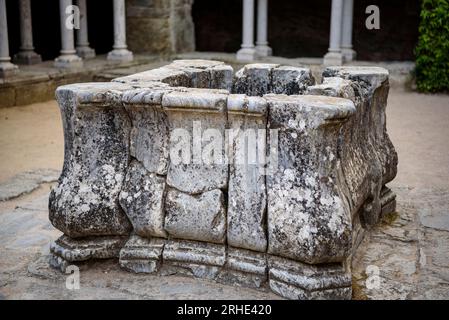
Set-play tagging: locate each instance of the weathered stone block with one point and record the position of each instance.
(197, 152)
(149, 138)
(254, 79)
(198, 259)
(295, 280)
(142, 199)
(84, 202)
(368, 157)
(247, 190)
(142, 255)
(308, 219)
(244, 267)
(291, 80)
(264, 188)
(196, 217)
(65, 250)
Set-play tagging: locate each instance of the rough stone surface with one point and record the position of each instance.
(149, 138)
(195, 118)
(368, 157)
(96, 134)
(247, 190)
(66, 250)
(198, 259)
(245, 268)
(303, 201)
(254, 79)
(258, 79)
(142, 199)
(291, 80)
(142, 255)
(199, 217)
(307, 216)
(295, 280)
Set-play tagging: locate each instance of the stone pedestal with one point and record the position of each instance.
(66, 250)
(263, 180)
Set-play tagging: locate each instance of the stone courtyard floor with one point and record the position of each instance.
(410, 249)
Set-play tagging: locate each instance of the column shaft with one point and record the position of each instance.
(26, 54)
(120, 52)
(68, 57)
(262, 47)
(82, 42)
(334, 56)
(346, 39)
(6, 67)
(247, 51)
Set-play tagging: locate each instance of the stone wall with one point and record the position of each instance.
(160, 26)
(281, 204)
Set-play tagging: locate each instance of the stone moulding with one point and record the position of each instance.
(288, 221)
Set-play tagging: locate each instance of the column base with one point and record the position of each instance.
(65, 250)
(120, 55)
(246, 54)
(333, 59)
(193, 258)
(85, 52)
(68, 61)
(8, 69)
(263, 51)
(244, 268)
(348, 54)
(27, 57)
(299, 281)
(141, 255)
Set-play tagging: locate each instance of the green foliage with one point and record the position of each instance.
(432, 51)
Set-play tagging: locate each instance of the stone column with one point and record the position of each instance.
(334, 56)
(262, 47)
(6, 67)
(26, 54)
(120, 52)
(82, 42)
(346, 38)
(247, 52)
(68, 57)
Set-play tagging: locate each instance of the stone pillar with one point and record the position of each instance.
(82, 42)
(68, 57)
(6, 67)
(247, 52)
(120, 52)
(26, 54)
(262, 48)
(346, 38)
(334, 56)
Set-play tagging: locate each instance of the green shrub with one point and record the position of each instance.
(432, 51)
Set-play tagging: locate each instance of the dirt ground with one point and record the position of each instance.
(30, 138)
(412, 252)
